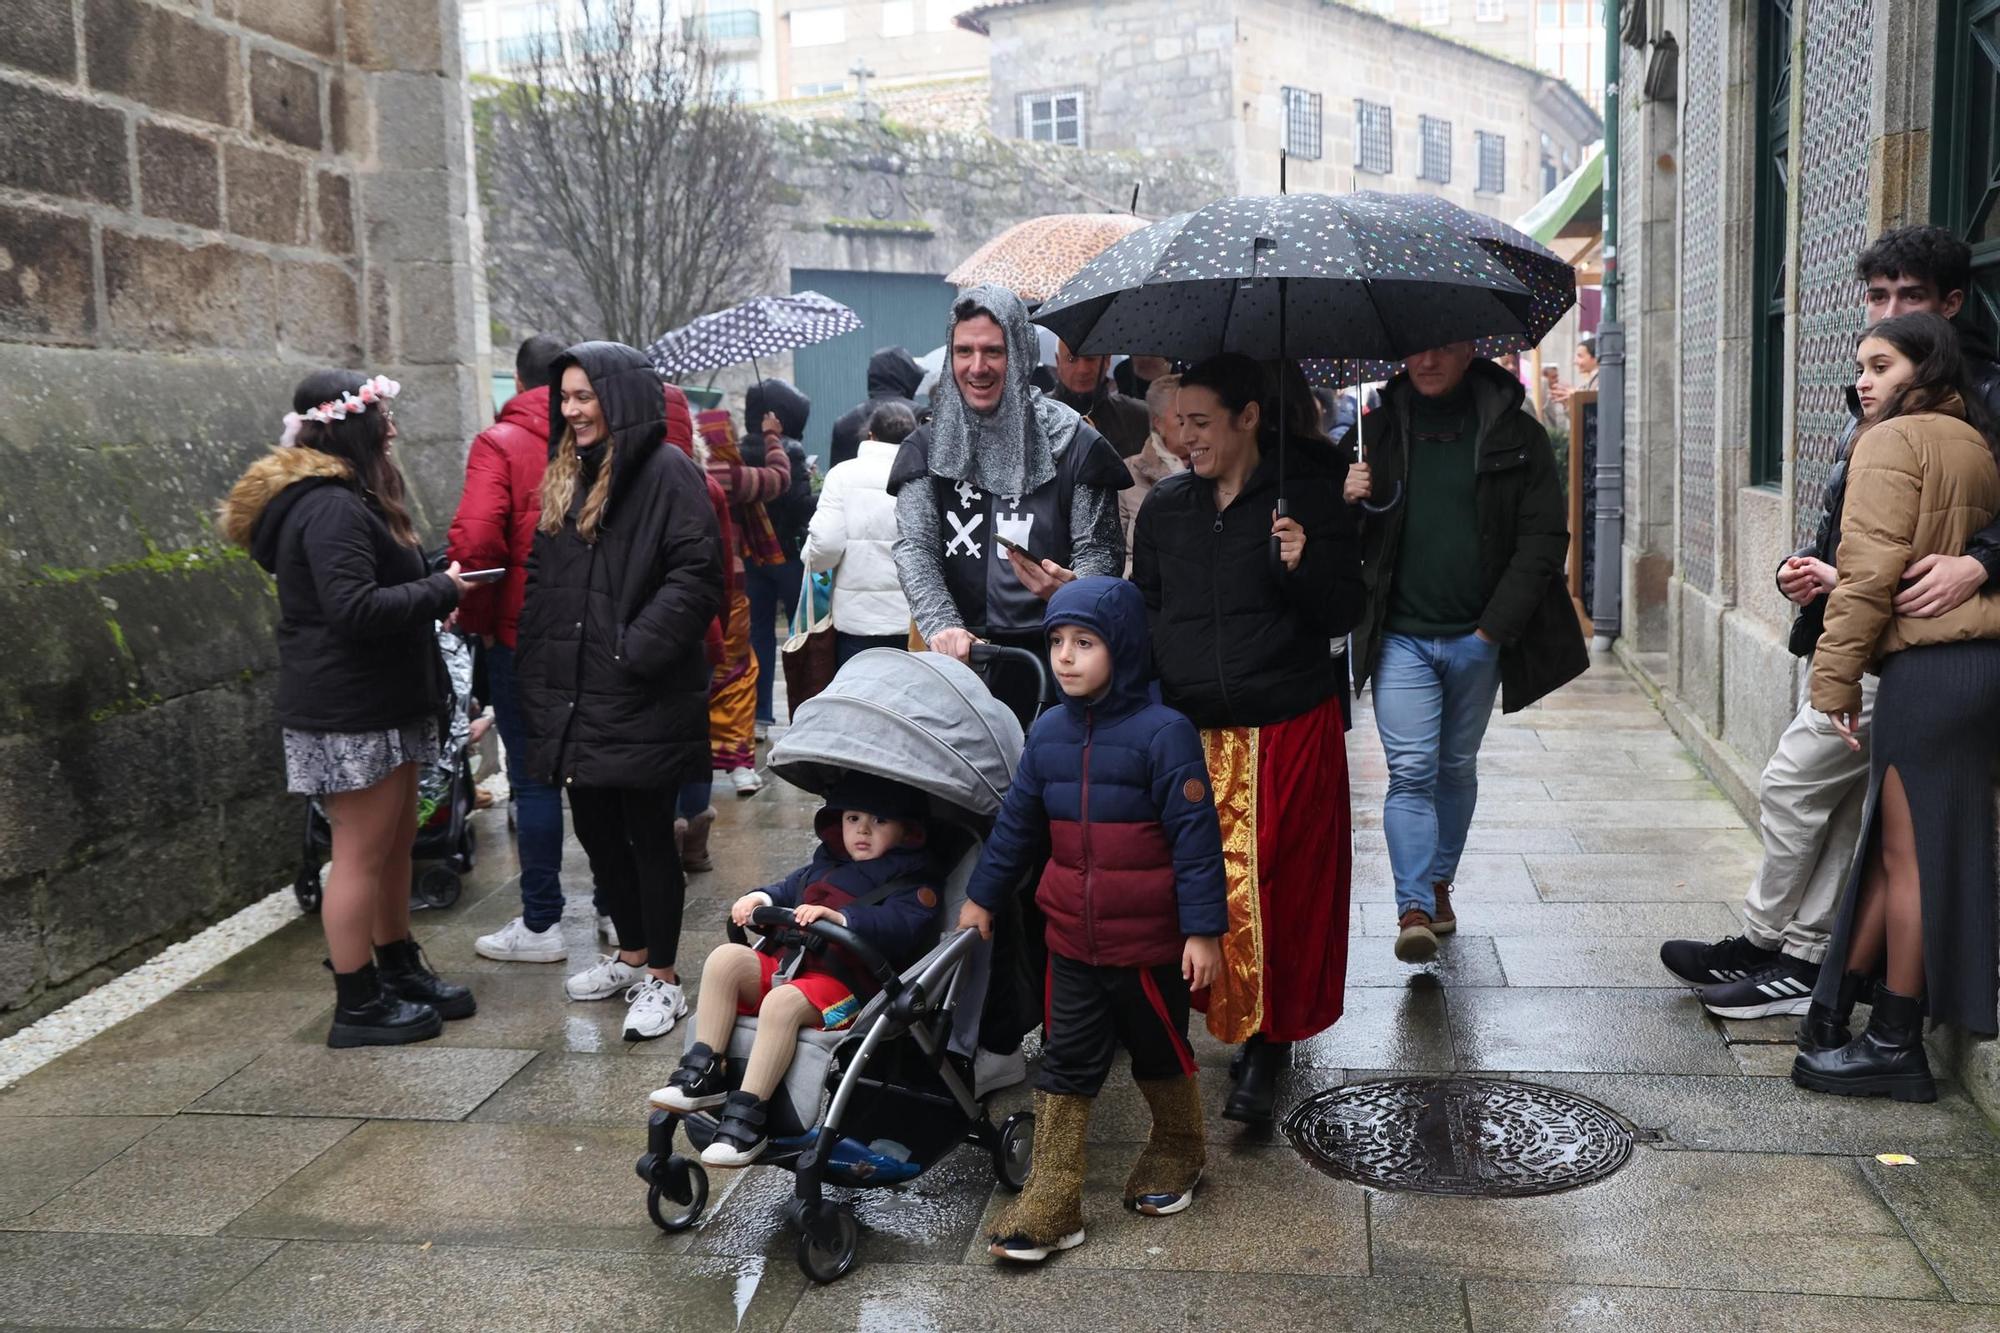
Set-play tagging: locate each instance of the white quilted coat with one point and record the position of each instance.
(853, 534)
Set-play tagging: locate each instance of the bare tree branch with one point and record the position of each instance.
(628, 159)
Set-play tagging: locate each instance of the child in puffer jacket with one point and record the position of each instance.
(872, 874)
(1134, 894)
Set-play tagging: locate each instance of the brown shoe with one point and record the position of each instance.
(1443, 920)
(695, 859)
(1416, 942)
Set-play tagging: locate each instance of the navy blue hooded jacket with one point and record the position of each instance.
(1120, 785)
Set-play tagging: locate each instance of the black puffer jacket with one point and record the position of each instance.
(1523, 537)
(791, 513)
(893, 377)
(1237, 644)
(357, 650)
(613, 680)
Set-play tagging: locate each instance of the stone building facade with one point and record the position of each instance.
(197, 204)
(1358, 101)
(1763, 145)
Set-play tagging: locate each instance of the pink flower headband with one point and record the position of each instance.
(338, 409)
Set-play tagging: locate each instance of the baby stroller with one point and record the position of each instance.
(883, 1101)
(445, 797)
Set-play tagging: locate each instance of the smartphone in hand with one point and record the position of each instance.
(1019, 549)
(483, 575)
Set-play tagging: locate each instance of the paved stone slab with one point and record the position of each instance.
(523, 1186)
(1744, 1114)
(1681, 844)
(40, 1157)
(190, 1176)
(286, 959)
(1481, 841)
(521, 1012)
(85, 1281)
(1585, 1031)
(1550, 960)
(1065, 1296)
(158, 1061)
(424, 1082)
(1605, 787)
(1952, 1211)
(1574, 921)
(1764, 1061)
(1462, 960)
(1537, 1307)
(927, 1221)
(1260, 1210)
(1714, 876)
(1385, 1029)
(1492, 787)
(390, 1288)
(559, 1088)
(1640, 740)
(1670, 1219)
(1487, 876)
(1580, 815)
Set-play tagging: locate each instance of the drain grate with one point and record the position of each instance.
(1471, 1136)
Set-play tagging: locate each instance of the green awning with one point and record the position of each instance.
(1577, 198)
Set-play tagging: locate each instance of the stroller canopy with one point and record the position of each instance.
(918, 718)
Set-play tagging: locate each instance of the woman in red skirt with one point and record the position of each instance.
(1242, 642)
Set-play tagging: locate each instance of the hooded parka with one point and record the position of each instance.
(1523, 537)
(893, 377)
(791, 512)
(613, 679)
(357, 650)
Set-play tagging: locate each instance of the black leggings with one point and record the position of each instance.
(628, 835)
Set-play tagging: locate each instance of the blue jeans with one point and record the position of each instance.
(693, 798)
(846, 647)
(771, 589)
(1433, 699)
(538, 812)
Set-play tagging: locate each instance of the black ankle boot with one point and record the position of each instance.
(368, 1015)
(1824, 1028)
(407, 976)
(1887, 1060)
(1255, 1096)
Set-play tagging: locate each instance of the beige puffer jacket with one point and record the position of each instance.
(1917, 485)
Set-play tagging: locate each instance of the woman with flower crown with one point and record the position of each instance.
(360, 684)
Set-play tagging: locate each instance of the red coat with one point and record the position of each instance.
(495, 523)
(680, 434)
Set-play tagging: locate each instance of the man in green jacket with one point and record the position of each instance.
(1464, 531)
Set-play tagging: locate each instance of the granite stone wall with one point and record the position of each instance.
(199, 202)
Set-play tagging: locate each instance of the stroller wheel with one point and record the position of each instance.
(829, 1262)
(437, 888)
(1013, 1150)
(669, 1215)
(306, 888)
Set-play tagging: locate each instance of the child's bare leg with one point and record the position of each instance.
(784, 1014)
(729, 978)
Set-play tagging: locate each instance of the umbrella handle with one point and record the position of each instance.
(1277, 547)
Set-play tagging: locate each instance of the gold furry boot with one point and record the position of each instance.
(1163, 1179)
(1049, 1214)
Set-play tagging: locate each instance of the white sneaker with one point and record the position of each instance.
(515, 943)
(763, 731)
(603, 979)
(656, 1006)
(746, 781)
(607, 930)
(992, 1071)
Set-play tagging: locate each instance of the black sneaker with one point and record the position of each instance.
(1701, 964)
(697, 1085)
(1785, 987)
(739, 1132)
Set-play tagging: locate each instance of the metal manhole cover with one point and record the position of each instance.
(1469, 1136)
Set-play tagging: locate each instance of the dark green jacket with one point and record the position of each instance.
(1523, 538)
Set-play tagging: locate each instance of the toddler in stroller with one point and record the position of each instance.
(871, 874)
(879, 1100)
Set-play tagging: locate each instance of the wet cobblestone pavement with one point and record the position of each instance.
(208, 1163)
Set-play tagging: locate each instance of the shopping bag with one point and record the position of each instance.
(810, 653)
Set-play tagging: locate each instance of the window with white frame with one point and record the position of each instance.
(1489, 11)
(1374, 144)
(1053, 117)
(1435, 13)
(1303, 113)
(1434, 141)
(1492, 154)
(899, 18)
(825, 26)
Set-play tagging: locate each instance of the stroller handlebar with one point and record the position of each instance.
(818, 934)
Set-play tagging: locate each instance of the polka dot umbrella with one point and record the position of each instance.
(1368, 277)
(761, 327)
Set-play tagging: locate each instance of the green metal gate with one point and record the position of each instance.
(896, 309)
